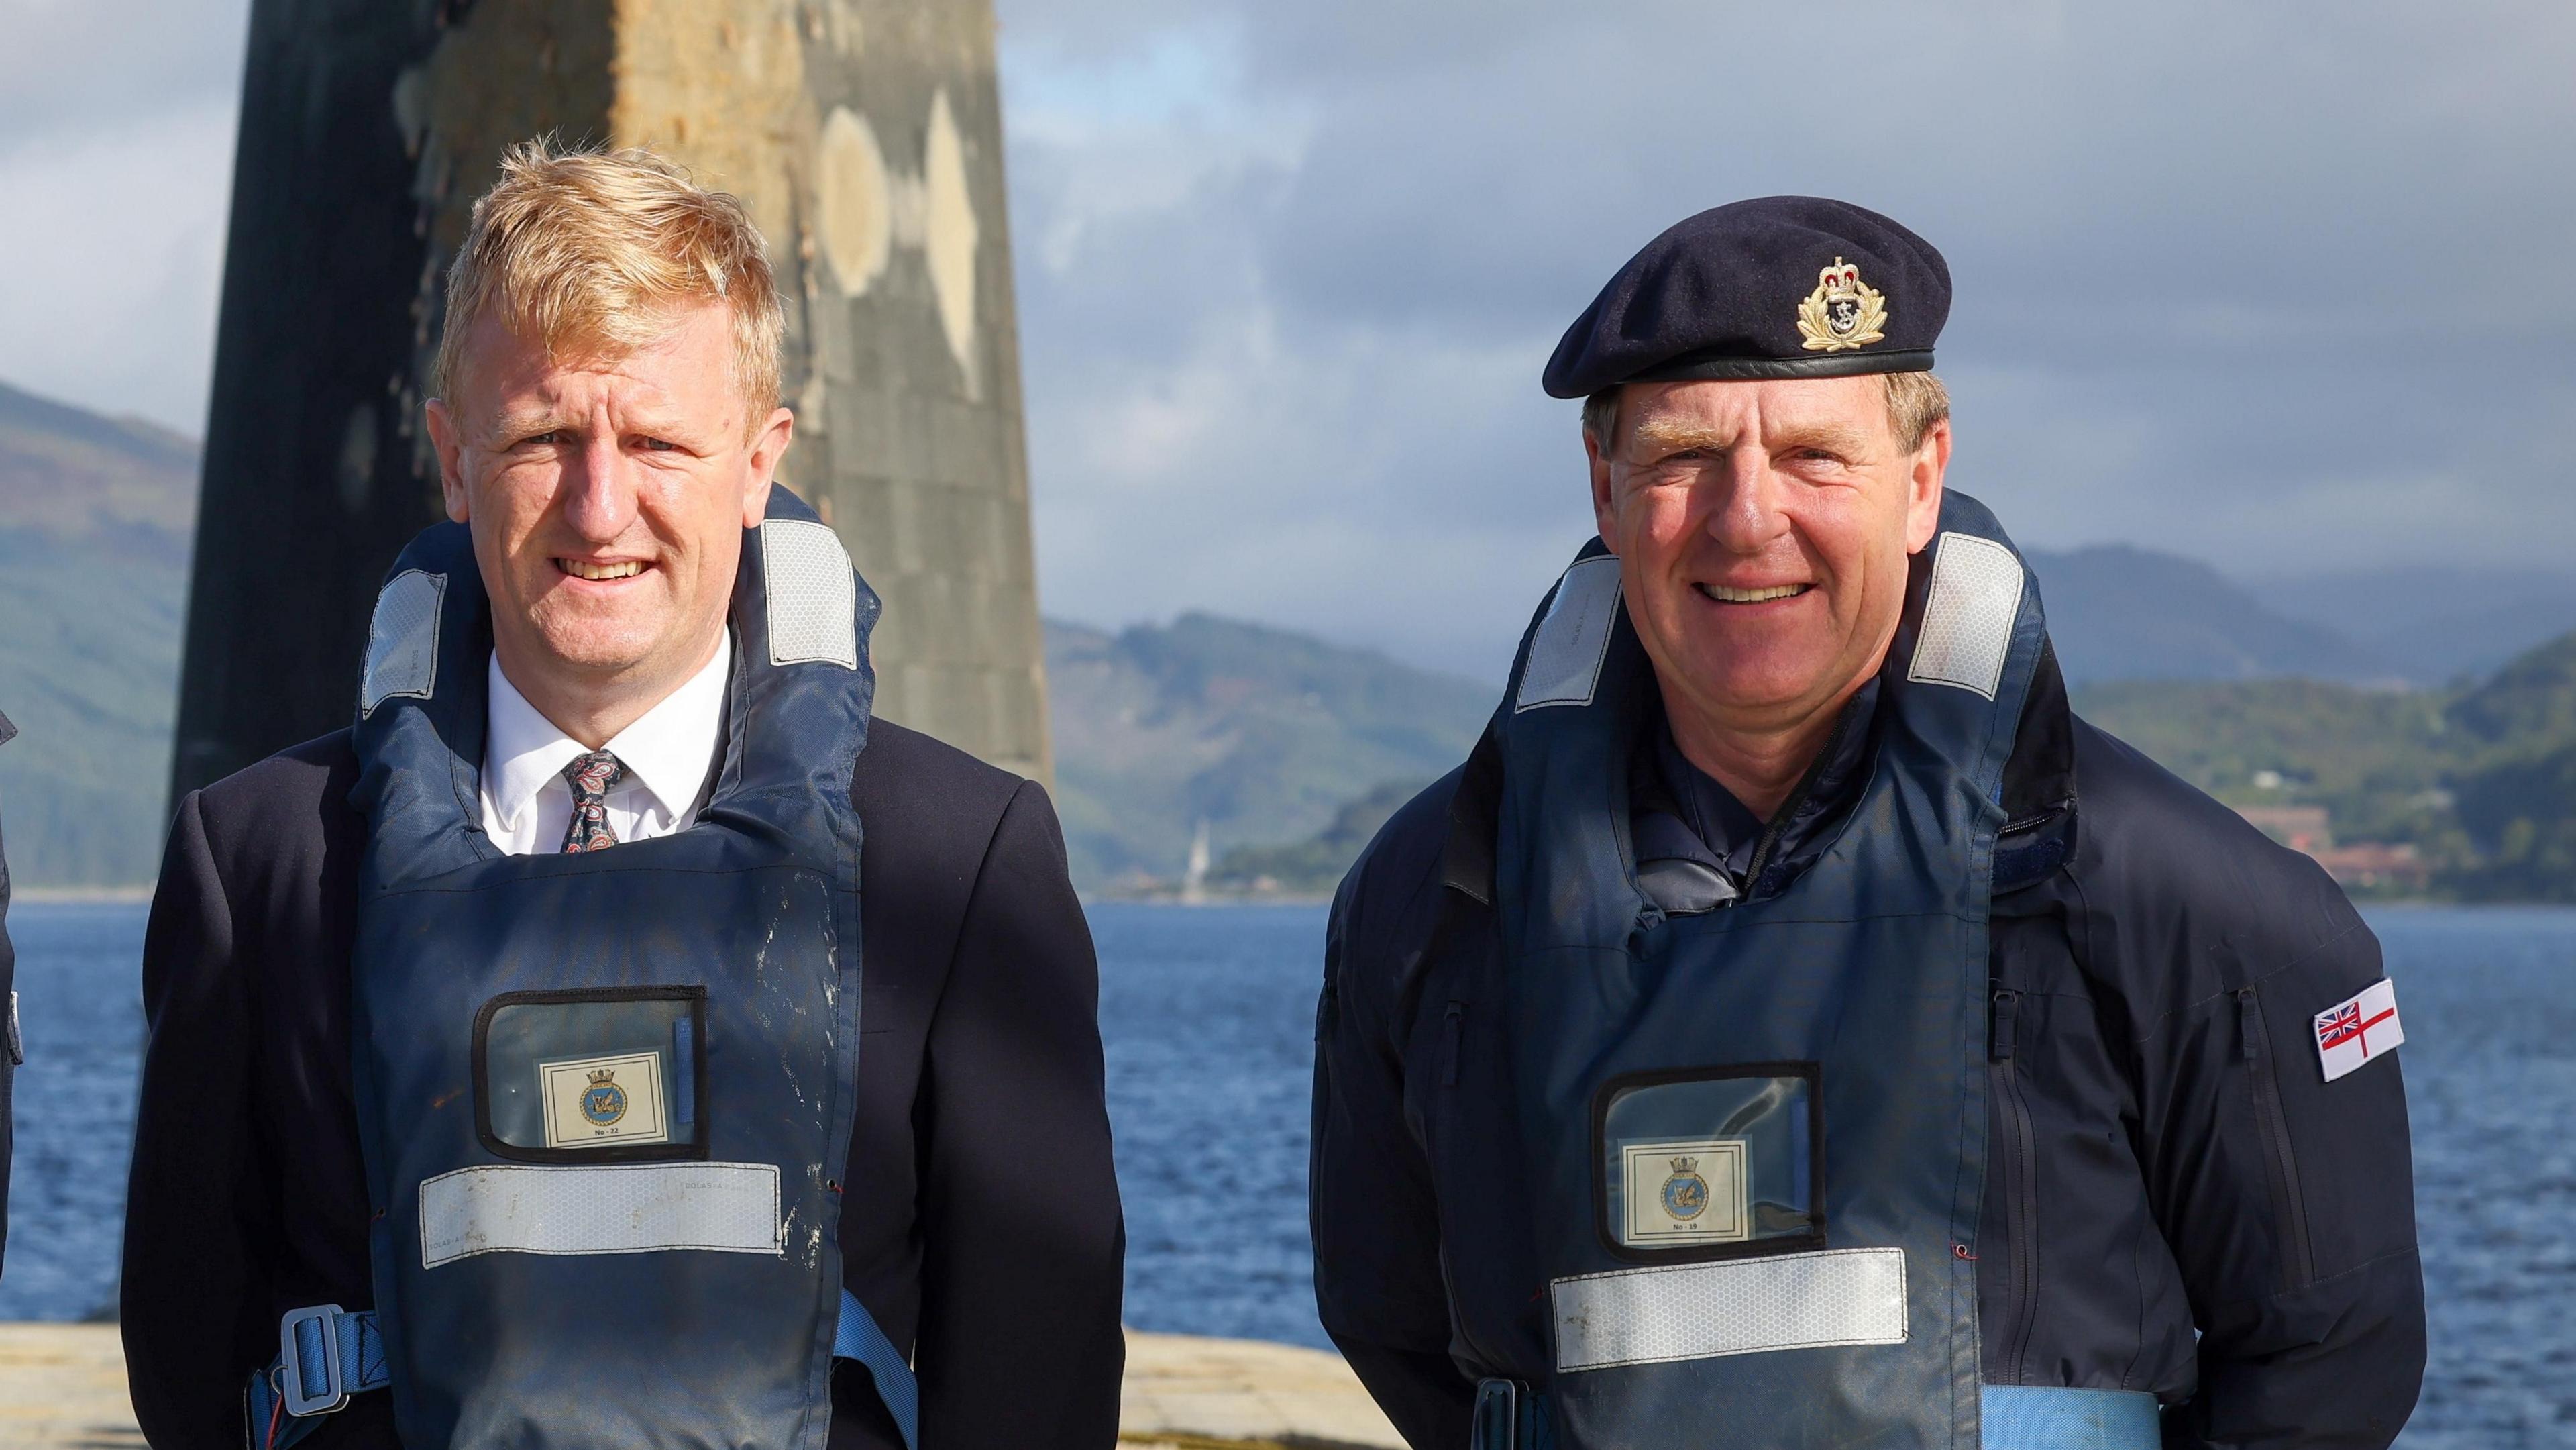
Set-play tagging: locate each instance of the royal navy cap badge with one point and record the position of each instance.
(1843, 312)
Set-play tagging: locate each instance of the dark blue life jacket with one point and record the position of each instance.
(1752, 1138)
(606, 1099)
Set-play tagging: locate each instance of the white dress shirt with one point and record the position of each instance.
(667, 753)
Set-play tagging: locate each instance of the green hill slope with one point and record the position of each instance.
(1313, 867)
(2377, 759)
(1290, 749)
(2517, 795)
(1263, 734)
(2531, 701)
(2480, 782)
(95, 519)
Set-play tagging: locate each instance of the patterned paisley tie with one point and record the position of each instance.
(591, 777)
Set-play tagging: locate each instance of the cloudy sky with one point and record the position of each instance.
(2288, 288)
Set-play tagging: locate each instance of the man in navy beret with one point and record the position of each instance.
(1793, 1025)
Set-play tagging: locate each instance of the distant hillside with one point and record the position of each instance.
(77, 477)
(2435, 626)
(2480, 783)
(95, 522)
(2379, 760)
(2118, 613)
(2521, 815)
(1292, 749)
(1315, 866)
(1261, 733)
(2517, 800)
(2531, 701)
(2460, 793)
(1156, 729)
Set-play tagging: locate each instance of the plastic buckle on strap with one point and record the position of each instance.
(314, 1382)
(1506, 1417)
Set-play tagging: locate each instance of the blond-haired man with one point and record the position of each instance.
(506, 1082)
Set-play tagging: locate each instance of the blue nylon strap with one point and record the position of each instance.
(859, 1338)
(264, 1425)
(321, 1340)
(1512, 1416)
(2053, 1417)
(352, 1340)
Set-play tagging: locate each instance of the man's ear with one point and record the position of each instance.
(1598, 462)
(766, 450)
(1923, 487)
(451, 471)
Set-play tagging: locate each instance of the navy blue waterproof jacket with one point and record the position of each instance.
(2166, 1154)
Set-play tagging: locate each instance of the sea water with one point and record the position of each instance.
(1207, 1019)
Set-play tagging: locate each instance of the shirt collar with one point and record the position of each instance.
(667, 751)
(1711, 812)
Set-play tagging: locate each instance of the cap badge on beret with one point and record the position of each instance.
(1843, 312)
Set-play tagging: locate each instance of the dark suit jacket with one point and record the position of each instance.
(982, 1227)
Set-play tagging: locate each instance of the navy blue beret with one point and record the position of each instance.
(1778, 287)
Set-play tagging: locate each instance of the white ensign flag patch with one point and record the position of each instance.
(2358, 1029)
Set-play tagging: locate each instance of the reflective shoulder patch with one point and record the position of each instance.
(608, 1208)
(402, 640)
(1732, 1306)
(1968, 614)
(1565, 655)
(813, 596)
(2359, 1028)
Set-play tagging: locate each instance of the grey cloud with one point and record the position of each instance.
(116, 142)
(71, 67)
(2279, 287)
(2273, 287)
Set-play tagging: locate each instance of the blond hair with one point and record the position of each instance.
(590, 251)
(1915, 402)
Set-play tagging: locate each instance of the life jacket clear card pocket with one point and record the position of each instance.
(1710, 1162)
(612, 1074)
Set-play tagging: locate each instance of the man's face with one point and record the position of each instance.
(1762, 530)
(607, 498)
